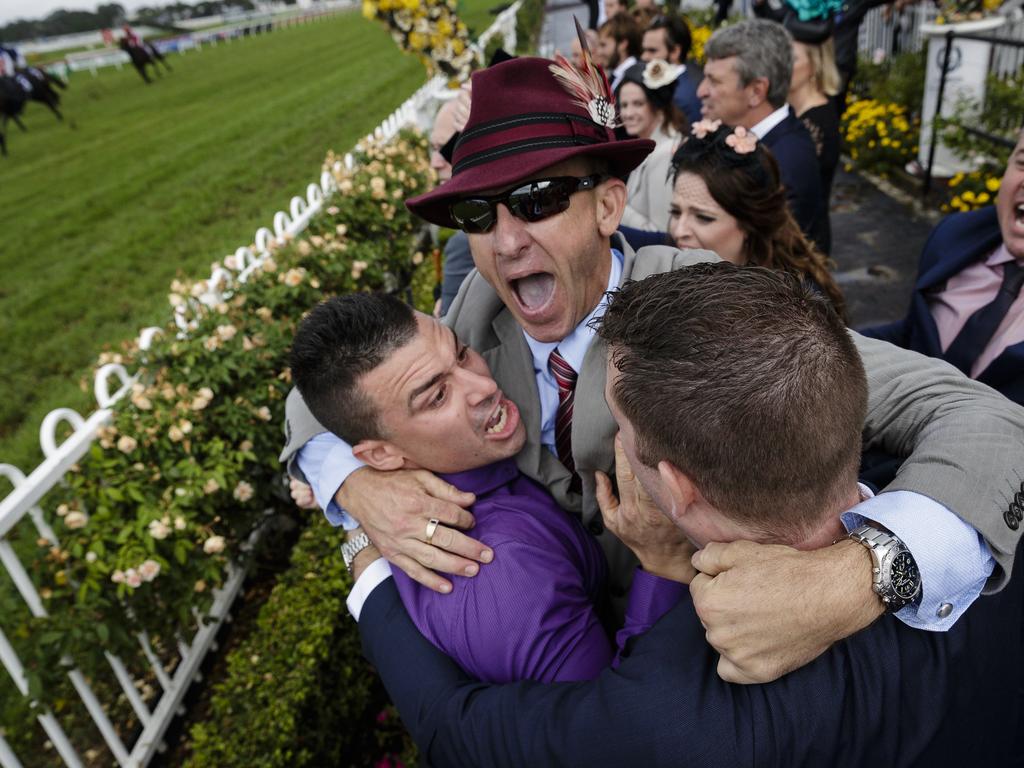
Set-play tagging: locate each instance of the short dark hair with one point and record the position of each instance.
(338, 342)
(748, 382)
(623, 26)
(677, 34)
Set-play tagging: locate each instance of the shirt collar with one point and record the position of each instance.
(761, 129)
(1000, 255)
(483, 479)
(574, 346)
(625, 64)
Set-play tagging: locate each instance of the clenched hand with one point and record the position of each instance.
(769, 609)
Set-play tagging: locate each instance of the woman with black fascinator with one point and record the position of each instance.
(644, 99)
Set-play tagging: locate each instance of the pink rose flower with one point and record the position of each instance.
(702, 128)
(742, 141)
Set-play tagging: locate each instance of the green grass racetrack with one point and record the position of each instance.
(162, 179)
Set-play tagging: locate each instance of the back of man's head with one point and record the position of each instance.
(749, 384)
(762, 48)
(338, 342)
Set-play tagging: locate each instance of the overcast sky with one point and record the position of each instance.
(38, 9)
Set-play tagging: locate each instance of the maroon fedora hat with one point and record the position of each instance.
(523, 119)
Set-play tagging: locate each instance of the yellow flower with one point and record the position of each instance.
(983, 198)
(369, 10)
(992, 185)
(968, 196)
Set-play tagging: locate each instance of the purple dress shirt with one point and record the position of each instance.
(529, 614)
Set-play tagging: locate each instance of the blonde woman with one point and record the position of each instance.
(815, 79)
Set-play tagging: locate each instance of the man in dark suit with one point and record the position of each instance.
(699, 408)
(669, 38)
(746, 83)
(967, 307)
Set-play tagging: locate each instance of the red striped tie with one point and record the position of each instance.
(565, 376)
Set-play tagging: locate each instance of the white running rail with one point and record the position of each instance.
(60, 456)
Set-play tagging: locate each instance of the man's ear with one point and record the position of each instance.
(611, 204)
(682, 493)
(379, 454)
(757, 92)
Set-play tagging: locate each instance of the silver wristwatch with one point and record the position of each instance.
(895, 578)
(353, 547)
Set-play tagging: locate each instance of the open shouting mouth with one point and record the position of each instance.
(503, 420)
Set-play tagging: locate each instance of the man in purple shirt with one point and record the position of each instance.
(407, 394)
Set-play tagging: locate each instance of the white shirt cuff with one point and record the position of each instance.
(952, 557)
(368, 580)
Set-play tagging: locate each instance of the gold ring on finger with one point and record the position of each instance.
(432, 528)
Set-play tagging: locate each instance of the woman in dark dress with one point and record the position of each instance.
(815, 78)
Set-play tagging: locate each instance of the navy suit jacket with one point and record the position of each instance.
(793, 148)
(685, 96)
(890, 695)
(956, 243)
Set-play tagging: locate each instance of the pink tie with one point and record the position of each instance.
(565, 376)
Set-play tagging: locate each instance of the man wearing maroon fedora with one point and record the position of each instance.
(537, 185)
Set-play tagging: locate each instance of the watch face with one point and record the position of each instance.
(904, 576)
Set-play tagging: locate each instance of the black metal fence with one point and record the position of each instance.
(1007, 61)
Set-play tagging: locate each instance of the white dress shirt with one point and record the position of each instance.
(762, 128)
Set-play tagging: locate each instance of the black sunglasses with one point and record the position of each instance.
(533, 201)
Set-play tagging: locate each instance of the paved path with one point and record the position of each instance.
(877, 240)
(876, 245)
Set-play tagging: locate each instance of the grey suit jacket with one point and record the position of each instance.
(965, 442)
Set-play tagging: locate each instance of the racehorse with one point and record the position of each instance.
(154, 52)
(42, 89)
(12, 101)
(142, 56)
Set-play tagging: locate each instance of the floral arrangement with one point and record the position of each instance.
(879, 136)
(953, 11)
(970, 191)
(187, 470)
(700, 34)
(430, 30)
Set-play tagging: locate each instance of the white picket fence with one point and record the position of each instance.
(30, 490)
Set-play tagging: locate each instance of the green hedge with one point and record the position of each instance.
(297, 691)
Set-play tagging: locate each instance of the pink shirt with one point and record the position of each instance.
(969, 291)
